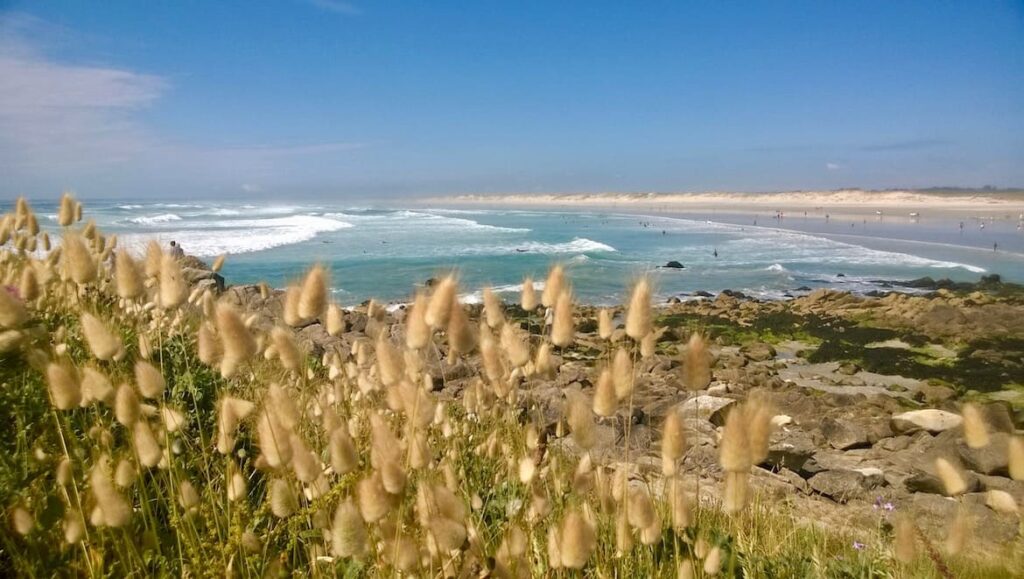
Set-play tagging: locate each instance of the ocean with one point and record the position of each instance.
(384, 252)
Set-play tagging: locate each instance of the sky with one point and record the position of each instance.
(365, 99)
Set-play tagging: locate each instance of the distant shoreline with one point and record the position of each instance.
(846, 199)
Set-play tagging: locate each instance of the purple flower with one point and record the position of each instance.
(858, 545)
(889, 507)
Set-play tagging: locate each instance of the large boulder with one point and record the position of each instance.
(930, 419)
(843, 435)
(992, 458)
(707, 407)
(844, 485)
(205, 277)
(926, 481)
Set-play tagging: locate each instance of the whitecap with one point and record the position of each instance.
(578, 245)
(154, 219)
(242, 236)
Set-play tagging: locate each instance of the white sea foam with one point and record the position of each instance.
(776, 267)
(242, 235)
(577, 245)
(154, 219)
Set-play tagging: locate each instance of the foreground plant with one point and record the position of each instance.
(155, 429)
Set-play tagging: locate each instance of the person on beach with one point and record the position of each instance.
(176, 251)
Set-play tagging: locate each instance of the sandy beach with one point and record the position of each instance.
(998, 204)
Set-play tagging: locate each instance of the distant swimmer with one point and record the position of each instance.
(715, 252)
(995, 246)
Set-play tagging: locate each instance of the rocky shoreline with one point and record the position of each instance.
(867, 387)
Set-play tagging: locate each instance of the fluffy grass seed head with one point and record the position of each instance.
(696, 364)
(578, 540)
(638, 315)
(150, 381)
(605, 401)
(62, 382)
(622, 373)
(173, 286)
(103, 343)
(563, 329)
(283, 501)
(553, 286)
(126, 405)
(528, 296)
(673, 442)
(12, 311)
(605, 325)
(417, 331)
(313, 299)
(493, 308)
(975, 431)
(1015, 458)
(348, 533)
(952, 481)
(335, 320)
(78, 262)
(147, 448)
(127, 276)
(904, 539)
(442, 301)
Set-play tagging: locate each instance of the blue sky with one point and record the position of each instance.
(324, 98)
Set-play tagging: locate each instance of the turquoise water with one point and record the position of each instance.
(384, 252)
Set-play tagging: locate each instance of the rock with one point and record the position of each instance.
(924, 481)
(895, 443)
(674, 300)
(843, 435)
(718, 389)
(795, 480)
(703, 294)
(990, 459)
(999, 416)
(758, 351)
(931, 419)
(674, 265)
(780, 420)
(932, 513)
(934, 394)
(848, 368)
(844, 485)
(711, 408)
(1002, 483)
(1001, 502)
(194, 276)
(794, 452)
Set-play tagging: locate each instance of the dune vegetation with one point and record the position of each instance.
(150, 428)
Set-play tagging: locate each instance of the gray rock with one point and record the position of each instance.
(990, 459)
(844, 485)
(194, 275)
(1002, 483)
(934, 394)
(925, 481)
(711, 408)
(843, 435)
(795, 452)
(930, 419)
(932, 514)
(758, 351)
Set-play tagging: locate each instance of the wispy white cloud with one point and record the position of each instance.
(66, 113)
(68, 124)
(833, 166)
(335, 6)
